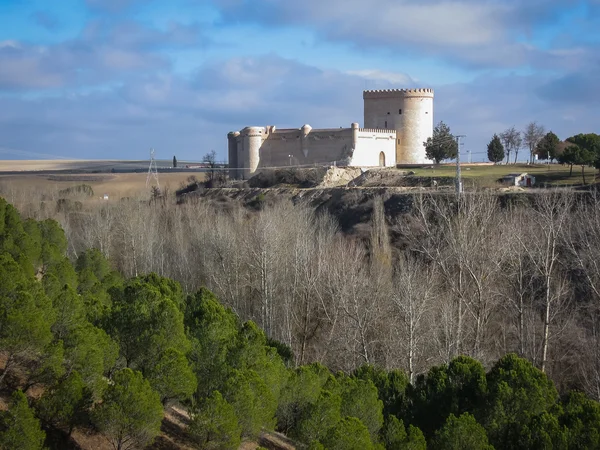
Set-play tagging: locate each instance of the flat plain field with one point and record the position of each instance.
(18, 178)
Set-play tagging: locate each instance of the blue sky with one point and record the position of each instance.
(112, 78)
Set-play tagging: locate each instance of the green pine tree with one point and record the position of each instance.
(349, 434)
(495, 150)
(19, 429)
(215, 425)
(66, 404)
(461, 433)
(319, 418)
(172, 376)
(548, 146)
(442, 145)
(130, 412)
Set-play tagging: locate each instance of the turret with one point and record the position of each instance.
(232, 140)
(252, 138)
(354, 127)
(305, 132)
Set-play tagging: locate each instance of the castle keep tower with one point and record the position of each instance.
(409, 112)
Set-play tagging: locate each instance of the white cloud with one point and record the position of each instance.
(191, 116)
(400, 79)
(475, 33)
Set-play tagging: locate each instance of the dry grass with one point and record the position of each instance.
(116, 186)
(36, 164)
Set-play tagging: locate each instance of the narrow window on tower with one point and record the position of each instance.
(386, 124)
(399, 111)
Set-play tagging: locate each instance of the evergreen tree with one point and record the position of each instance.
(215, 425)
(581, 416)
(214, 331)
(589, 141)
(174, 162)
(518, 392)
(349, 434)
(91, 352)
(302, 389)
(461, 433)
(252, 352)
(172, 376)
(456, 388)
(495, 150)
(319, 418)
(394, 436)
(130, 413)
(95, 279)
(26, 316)
(146, 320)
(442, 145)
(19, 429)
(360, 399)
(543, 431)
(569, 156)
(548, 146)
(66, 404)
(391, 386)
(252, 400)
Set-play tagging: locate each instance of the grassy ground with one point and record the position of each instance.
(545, 174)
(116, 186)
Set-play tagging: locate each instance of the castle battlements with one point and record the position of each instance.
(377, 130)
(398, 93)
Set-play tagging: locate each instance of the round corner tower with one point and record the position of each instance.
(409, 112)
(252, 139)
(232, 140)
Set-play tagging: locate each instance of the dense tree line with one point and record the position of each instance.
(579, 150)
(110, 353)
(414, 291)
(379, 342)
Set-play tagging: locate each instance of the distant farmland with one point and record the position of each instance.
(91, 166)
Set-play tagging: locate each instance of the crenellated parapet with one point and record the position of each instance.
(397, 93)
(253, 131)
(377, 131)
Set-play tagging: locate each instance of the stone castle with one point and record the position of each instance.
(397, 123)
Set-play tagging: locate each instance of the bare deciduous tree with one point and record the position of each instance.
(512, 140)
(531, 136)
(412, 297)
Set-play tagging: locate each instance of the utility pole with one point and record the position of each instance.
(459, 187)
(152, 170)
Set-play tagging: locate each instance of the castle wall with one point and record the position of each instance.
(306, 147)
(267, 147)
(369, 146)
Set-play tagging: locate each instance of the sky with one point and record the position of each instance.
(110, 79)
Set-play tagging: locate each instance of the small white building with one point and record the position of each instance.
(519, 179)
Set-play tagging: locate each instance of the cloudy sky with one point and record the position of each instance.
(112, 78)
